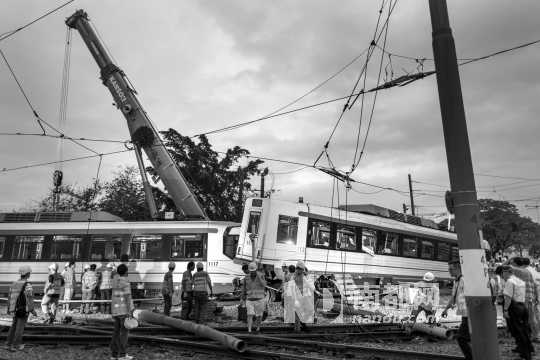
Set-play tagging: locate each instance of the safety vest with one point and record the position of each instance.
(254, 288)
(105, 280)
(89, 280)
(187, 281)
(200, 281)
(54, 284)
(14, 291)
(121, 301)
(167, 287)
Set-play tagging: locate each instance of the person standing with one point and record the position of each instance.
(458, 300)
(105, 291)
(121, 308)
(69, 283)
(515, 311)
(519, 269)
(52, 290)
(201, 285)
(167, 289)
(186, 290)
(300, 299)
(20, 305)
(89, 282)
(253, 295)
(426, 299)
(535, 335)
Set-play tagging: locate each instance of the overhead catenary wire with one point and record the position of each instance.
(65, 137)
(13, 32)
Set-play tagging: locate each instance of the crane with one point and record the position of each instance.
(143, 134)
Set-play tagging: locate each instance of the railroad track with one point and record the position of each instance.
(266, 346)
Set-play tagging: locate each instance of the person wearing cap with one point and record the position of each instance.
(427, 298)
(457, 300)
(515, 311)
(167, 289)
(253, 295)
(69, 283)
(52, 291)
(20, 305)
(105, 290)
(88, 285)
(121, 308)
(299, 299)
(186, 291)
(201, 286)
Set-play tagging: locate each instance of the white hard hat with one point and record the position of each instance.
(429, 276)
(110, 265)
(252, 266)
(300, 264)
(66, 265)
(200, 265)
(53, 266)
(86, 266)
(172, 265)
(25, 269)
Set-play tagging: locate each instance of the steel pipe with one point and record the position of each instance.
(204, 331)
(438, 331)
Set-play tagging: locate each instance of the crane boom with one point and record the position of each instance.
(142, 133)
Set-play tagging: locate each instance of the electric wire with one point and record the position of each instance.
(13, 32)
(5, 170)
(65, 137)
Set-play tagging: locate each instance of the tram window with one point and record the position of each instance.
(254, 220)
(346, 238)
(27, 247)
(428, 250)
(65, 247)
(454, 253)
(443, 252)
(410, 247)
(230, 241)
(2, 246)
(319, 234)
(389, 244)
(187, 246)
(287, 230)
(369, 238)
(105, 248)
(146, 247)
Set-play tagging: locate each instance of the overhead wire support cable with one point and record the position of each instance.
(61, 136)
(13, 32)
(39, 119)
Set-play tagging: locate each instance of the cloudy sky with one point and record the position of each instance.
(203, 65)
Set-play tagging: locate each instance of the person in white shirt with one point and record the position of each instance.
(458, 300)
(515, 312)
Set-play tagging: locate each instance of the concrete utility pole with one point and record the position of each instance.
(482, 313)
(411, 195)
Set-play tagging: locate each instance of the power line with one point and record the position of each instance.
(13, 32)
(4, 170)
(65, 137)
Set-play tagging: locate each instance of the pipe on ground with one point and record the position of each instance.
(438, 331)
(200, 330)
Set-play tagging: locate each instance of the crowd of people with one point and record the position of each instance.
(110, 283)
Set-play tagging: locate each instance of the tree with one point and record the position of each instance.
(124, 196)
(72, 198)
(219, 181)
(503, 227)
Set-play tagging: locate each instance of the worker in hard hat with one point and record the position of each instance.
(253, 294)
(53, 288)
(186, 291)
(426, 298)
(105, 290)
(20, 305)
(69, 283)
(167, 289)
(202, 285)
(88, 286)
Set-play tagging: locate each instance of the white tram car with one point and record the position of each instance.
(348, 244)
(43, 238)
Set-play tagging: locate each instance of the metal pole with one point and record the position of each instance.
(411, 195)
(146, 186)
(481, 311)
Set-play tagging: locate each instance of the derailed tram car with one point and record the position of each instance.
(39, 239)
(367, 243)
